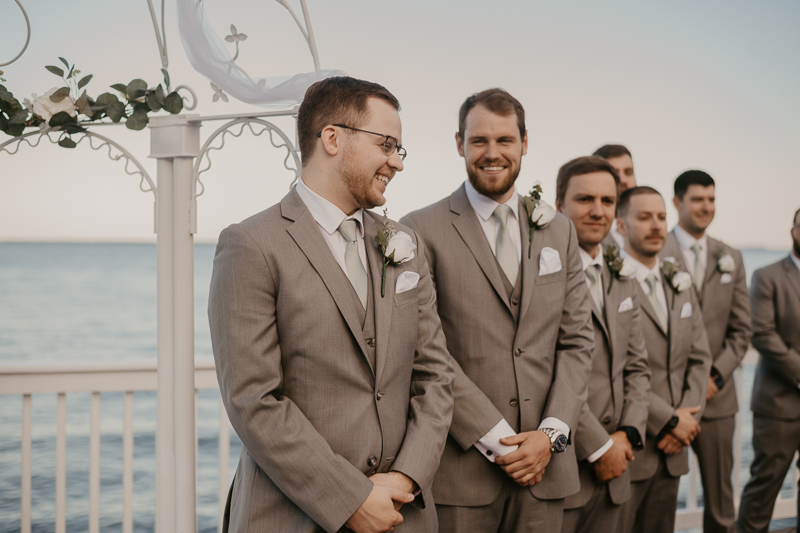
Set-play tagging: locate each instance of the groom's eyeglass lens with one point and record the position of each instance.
(388, 146)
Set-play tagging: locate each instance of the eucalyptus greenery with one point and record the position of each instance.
(77, 108)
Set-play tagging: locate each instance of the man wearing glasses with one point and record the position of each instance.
(517, 317)
(331, 359)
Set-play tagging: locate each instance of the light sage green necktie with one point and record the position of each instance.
(657, 307)
(595, 287)
(504, 246)
(352, 260)
(699, 271)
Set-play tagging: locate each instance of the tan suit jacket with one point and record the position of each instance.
(775, 300)
(680, 362)
(521, 373)
(316, 415)
(618, 386)
(726, 315)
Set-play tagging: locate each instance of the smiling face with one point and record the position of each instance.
(590, 202)
(697, 208)
(644, 226)
(364, 169)
(492, 150)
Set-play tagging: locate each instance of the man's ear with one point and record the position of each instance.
(676, 202)
(558, 202)
(459, 144)
(621, 227)
(525, 143)
(330, 140)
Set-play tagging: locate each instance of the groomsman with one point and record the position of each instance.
(516, 313)
(679, 359)
(775, 302)
(331, 359)
(719, 279)
(620, 158)
(613, 420)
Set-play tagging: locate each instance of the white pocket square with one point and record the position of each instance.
(626, 305)
(406, 281)
(725, 278)
(549, 261)
(686, 310)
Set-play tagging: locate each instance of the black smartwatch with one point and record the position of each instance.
(717, 378)
(672, 424)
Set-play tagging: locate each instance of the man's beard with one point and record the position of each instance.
(496, 188)
(359, 187)
(641, 250)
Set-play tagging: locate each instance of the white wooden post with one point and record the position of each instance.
(175, 142)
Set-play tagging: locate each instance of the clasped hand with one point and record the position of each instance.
(614, 462)
(380, 511)
(526, 464)
(683, 434)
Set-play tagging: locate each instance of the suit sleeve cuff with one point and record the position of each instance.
(599, 453)
(489, 445)
(554, 423)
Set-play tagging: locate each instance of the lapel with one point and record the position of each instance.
(674, 316)
(468, 227)
(792, 274)
(306, 234)
(383, 305)
(712, 249)
(530, 267)
(612, 300)
(648, 308)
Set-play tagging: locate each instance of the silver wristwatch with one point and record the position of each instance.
(558, 441)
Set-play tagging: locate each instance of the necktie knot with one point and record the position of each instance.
(349, 230)
(593, 274)
(501, 214)
(651, 282)
(696, 248)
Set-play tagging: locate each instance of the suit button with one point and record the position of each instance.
(513, 403)
(517, 352)
(371, 343)
(372, 461)
(514, 301)
(607, 420)
(379, 395)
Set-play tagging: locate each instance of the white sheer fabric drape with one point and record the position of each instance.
(210, 57)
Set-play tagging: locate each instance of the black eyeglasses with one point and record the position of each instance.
(388, 146)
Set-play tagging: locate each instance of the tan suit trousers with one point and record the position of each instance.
(653, 502)
(714, 449)
(599, 515)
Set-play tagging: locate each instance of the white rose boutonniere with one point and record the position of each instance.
(620, 268)
(678, 280)
(725, 262)
(45, 107)
(397, 247)
(540, 213)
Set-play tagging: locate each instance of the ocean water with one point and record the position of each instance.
(69, 303)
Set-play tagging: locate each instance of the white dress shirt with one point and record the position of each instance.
(484, 207)
(686, 241)
(641, 275)
(795, 259)
(328, 218)
(590, 262)
(489, 445)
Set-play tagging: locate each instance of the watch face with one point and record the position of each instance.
(560, 444)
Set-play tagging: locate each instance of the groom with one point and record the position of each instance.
(334, 374)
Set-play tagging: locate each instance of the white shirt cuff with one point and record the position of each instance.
(489, 445)
(554, 423)
(599, 453)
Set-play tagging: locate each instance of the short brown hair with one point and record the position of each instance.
(336, 100)
(625, 198)
(496, 100)
(608, 151)
(794, 220)
(579, 166)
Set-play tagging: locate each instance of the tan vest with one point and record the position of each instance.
(367, 317)
(512, 291)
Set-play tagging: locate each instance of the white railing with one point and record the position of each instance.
(95, 379)
(136, 377)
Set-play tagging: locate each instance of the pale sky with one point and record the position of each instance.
(712, 85)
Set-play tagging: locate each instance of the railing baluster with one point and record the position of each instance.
(26, 464)
(224, 458)
(61, 465)
(737, 448)
(127, 465)
(693, 467)
(94, 466)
